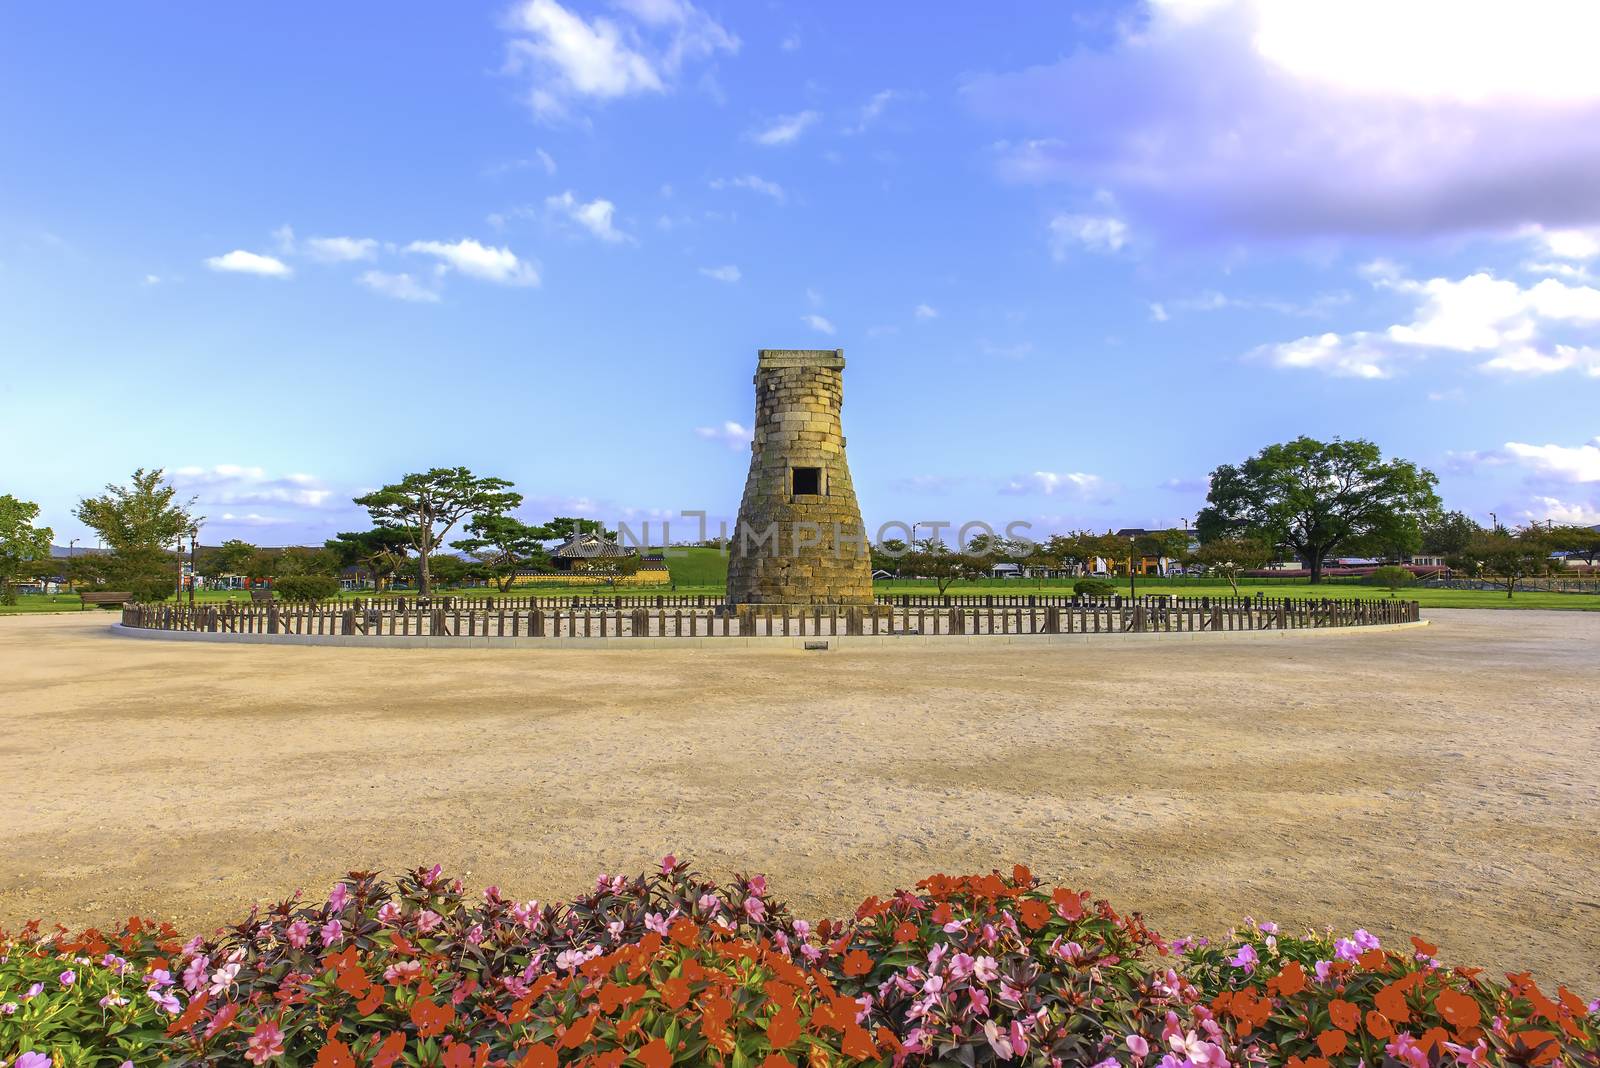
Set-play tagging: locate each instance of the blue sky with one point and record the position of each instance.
(1077, 255)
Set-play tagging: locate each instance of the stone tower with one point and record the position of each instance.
(800, 539)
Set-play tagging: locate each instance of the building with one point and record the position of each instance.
(799, 538)
(587, 549)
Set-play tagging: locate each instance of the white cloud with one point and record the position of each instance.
(873, 109)
(152, 279)
(234, 484)
(1569, 244)
(570, 59)
(546, 160)
(254, 519)
(1496, 319)
(399, 286)
(1097, 233)
(733, 435)
(790, 43)
(241, 262)
(817, 323)
(595, 216)
(1049, 483)
(726, 273)
(926, 311)
(1580, 463)
(283, 238)
(341, 249)
(753, 183)
(785, 129)
(479, 261)
(1230, 118)
(1158, 313)
(1560, 512)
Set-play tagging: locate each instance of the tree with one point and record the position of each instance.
(1582, 542)
(504, 545)
(1393, 578)
(1230, 556)
(1170, 544)
(140, 522)
(931, 558)
(141, 515)
(23, 546)
(1502, 558)
(563, 527)
(1320, 498)
(428, 505)
(232, 557)
(1447, 533)
(381, 551)
(889, 555)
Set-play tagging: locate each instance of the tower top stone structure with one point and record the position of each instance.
(800, 538)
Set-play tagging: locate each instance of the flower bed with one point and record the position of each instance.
(672, 968)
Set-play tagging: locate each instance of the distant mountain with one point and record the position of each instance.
(76, 550)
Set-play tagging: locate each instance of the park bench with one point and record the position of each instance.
(104, 598)
(260, 594)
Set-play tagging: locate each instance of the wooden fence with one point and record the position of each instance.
(1113, 615)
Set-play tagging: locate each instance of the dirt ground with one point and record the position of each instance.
(1443, 781)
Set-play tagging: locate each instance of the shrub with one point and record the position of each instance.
(1091, 587)
(306, 587)
(1391, 577)
(672, 968)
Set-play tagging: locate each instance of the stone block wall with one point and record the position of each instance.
(791, 548)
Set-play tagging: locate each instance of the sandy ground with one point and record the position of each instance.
(1443, 781)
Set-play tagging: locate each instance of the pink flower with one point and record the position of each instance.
(475, 935)
(1324, 970)
(1404, 1049)
(299, 933)
(758, 885)
(1138, 1046)
(168, 1002)
(979, 999)
(9, 1008)
(33, 1060)
(331, 933)
(1246, 958)
(999, 1041)
(1365, 940)
(427, 920)
(1345, 949)
(431, 876)
(1019, 1039)
(710, 904)
(654, 921)
(159, 978)
(668, 862)
(402, 971)
(68, 977)
(265, 1043)
(33, 991)
(987, 969)
(961, 966)
(755, 908)
(802, 928)
(339, 895)
(223, 978)
(1470, 1057)
(389, 913)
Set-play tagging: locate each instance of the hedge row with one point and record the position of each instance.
(672, 968)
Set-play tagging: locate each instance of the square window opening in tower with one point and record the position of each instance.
(808, 481)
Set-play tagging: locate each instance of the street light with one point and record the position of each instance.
(1494, 522)
(1132, 590)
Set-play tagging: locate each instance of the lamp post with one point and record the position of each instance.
(194, 556)
(1494, 522)
(1132, 589)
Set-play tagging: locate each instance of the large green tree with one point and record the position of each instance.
(1446, 533)
(504, 545)
(232, 557)
(1321, 498)
(1503, 558)
(931, 558)
(23, 546)
(140, 523)
(427, 505)
(1582, 542)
